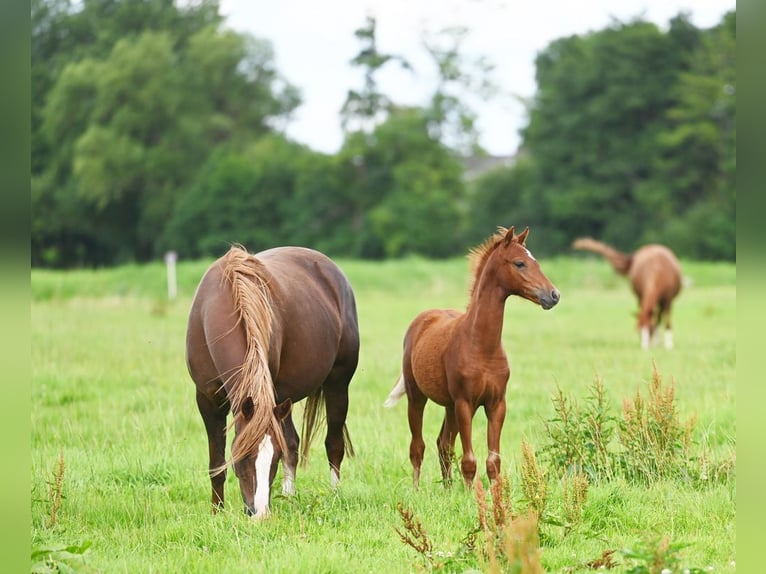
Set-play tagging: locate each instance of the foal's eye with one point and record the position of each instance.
(519, 264)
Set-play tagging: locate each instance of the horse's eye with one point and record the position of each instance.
(519, 264)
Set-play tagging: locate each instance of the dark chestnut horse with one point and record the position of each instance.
(655, 275)
(266, 331)
(457, 360)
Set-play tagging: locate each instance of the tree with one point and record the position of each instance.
(364, 109)
(132, 126)
(451, 119)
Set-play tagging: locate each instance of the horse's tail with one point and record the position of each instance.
(312, 417)
(396, 393)
(254, 389)
(619, 260)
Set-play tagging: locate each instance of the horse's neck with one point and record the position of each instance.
(484, 316)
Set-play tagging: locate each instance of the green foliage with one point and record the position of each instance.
(136, 100)
(632, 139)
(59, 558)
(405, 190)
(658, 556)
(139, 109)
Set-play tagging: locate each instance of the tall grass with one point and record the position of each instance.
(112, 398)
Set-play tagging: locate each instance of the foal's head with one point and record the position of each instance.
(517, 271)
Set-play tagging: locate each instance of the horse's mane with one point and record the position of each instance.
(478, 256)
(248, 279)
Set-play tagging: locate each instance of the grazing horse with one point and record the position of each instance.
(266, 331)
(457, 360)
(655, 275)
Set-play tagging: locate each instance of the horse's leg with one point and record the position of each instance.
(214, 417)
(665, 313)
(495, 419)
(416, 404)
(464, 415)
(445, 444)
(290, 456)
(645, 320)
(335, 390)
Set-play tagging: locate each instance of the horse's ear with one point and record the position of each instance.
(508, 236)
(522, 237)
(283, 409)
(248, 409)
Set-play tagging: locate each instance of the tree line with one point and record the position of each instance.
(156, 127)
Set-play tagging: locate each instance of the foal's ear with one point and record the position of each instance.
(522, 237)
(508, 236)
(283, 409)
(248, 409)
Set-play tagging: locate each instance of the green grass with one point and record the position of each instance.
(111, 393)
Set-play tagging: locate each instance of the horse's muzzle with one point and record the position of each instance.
(548, 300)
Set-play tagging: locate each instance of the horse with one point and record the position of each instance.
(457, 361)
(264, 332)
(655, 275)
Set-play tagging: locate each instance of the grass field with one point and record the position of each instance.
(114, 418)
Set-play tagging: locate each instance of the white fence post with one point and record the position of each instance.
(170, 260)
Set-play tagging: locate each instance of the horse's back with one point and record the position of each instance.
(315, 322)
(317, 327)
(425, 344)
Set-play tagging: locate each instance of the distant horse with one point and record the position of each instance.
(457, 360)
(655, 275)
(266, 331)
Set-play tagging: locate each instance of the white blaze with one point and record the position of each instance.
(532, 257)
(262, 469)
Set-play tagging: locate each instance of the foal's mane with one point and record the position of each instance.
(248, 279)
(478, 256)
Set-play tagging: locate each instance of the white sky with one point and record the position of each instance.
(314, 42)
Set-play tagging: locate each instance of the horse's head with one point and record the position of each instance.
(519, 273)
(256, 472)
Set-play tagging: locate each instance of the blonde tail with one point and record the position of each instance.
(396, 394)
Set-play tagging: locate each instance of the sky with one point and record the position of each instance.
(314, 41)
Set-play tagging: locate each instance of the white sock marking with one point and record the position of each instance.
(288, 482)
(262, 468)
(334, 478)
(668, 339)
(645, 337)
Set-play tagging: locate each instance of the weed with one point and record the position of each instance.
(579, 437)
(575, 493)
(414, 534)
(533, 479)
(511, 543)
(55, 492)
(657, 556)
(655, 444)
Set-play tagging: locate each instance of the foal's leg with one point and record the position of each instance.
(464, 415)
(290, 456)
(445, 443)
(214, 417)
(495, 419)
(416, 404)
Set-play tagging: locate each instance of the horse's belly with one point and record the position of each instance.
(427, 360)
